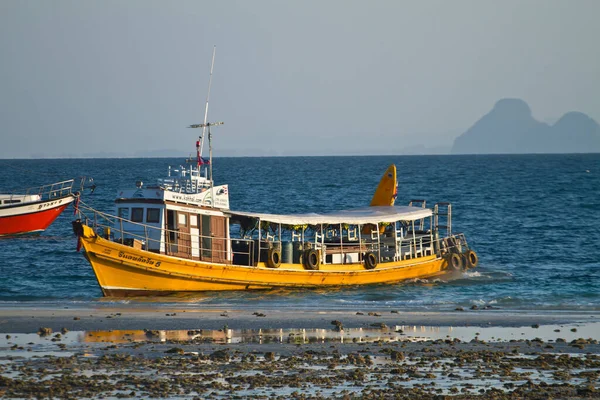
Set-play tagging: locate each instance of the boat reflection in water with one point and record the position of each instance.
(259, 336)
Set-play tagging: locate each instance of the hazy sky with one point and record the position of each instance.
(291, 77)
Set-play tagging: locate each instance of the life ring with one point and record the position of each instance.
(370, 260)
(455, 262)
(311, 259)
(472, 259)
(274, 258)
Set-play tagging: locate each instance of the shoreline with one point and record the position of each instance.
(132, 352)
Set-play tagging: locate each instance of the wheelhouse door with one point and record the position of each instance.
(195, 225)
(218, 233)
(206, 239)
(184, 238)
(171, 236)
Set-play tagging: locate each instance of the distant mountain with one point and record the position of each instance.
(510, 128)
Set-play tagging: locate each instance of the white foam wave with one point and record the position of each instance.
(481, 302)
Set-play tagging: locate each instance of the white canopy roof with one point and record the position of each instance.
(364, 215)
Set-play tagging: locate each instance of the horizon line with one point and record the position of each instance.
(299, 156)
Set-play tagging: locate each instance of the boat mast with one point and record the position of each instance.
(210, 156)
(212, 64)
(206, 124)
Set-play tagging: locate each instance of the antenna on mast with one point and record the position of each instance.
(206, 124)
(212, 64)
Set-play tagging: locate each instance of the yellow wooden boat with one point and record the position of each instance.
(179, 235)
(173, 237)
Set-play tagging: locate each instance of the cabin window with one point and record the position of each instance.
(11, 201)
(137, 214)
(193, 220)
(153, 215)
(124, 212)
(182, 219)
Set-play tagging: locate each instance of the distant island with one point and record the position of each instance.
(510, 128)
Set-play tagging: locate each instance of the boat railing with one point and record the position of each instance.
(461, 242)
(44, 192)
(412, 245)
(387, 247)
(456, 243)
(172, 242)
(185, 181)
(249, 251)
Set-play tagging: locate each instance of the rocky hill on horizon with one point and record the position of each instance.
(510, 128)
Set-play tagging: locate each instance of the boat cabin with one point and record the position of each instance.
(181, 215)
(9, 199)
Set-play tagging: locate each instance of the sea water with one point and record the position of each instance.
(534, 221)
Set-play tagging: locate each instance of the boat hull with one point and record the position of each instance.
(125, 271)
(31, 217)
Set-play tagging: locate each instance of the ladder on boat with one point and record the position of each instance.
(443, 210)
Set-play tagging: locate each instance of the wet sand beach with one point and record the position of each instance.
(146, 352)
(139, 316)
